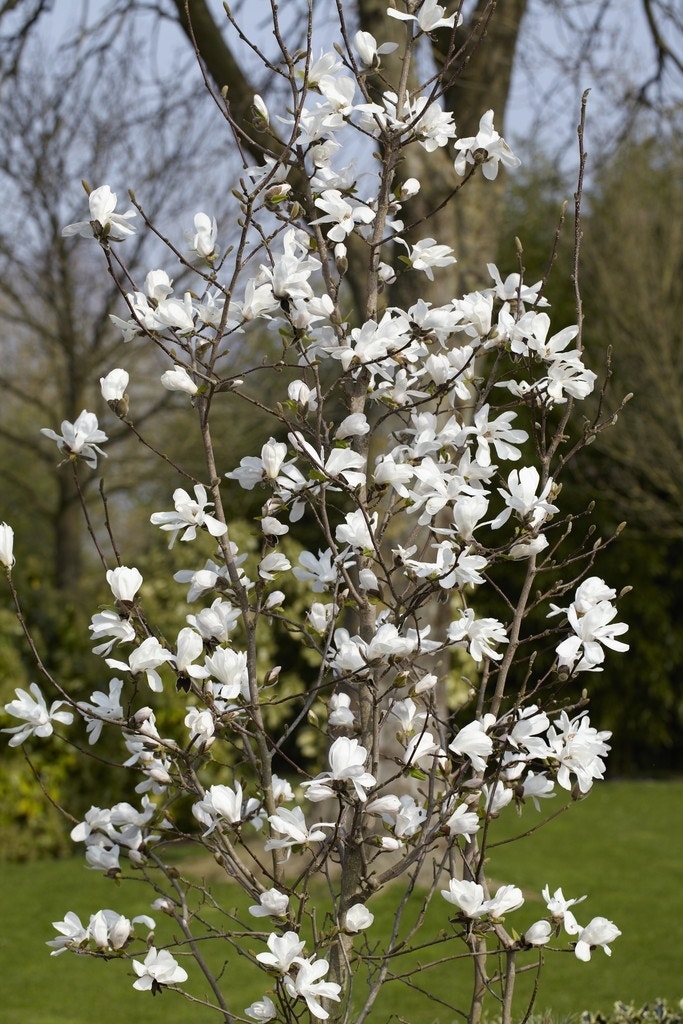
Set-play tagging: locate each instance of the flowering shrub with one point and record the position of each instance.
(390, 453)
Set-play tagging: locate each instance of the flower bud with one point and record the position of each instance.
(6, 545)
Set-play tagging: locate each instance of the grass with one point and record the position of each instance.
(623, 847)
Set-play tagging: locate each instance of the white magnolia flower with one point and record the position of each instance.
(204, 237)
(113, 386)
(272, 903)
(597, 932)
(102, 707)
(429, 17)
(486, 148)
(426, 254)
(347, 764)
(559, 909)
(308, 985)
(472, 741)
(79, 439)
(368, 50)
(293, 828)
(189, 515)
(104, 221)
(480, 633)
(262, 1010)
(283, 951)
(469, 898)
(113, 626)
(358, 918)
(33, 711)
(159, 968)
(124, 583)
(178, 379)
(147, 658)
(539, 933)
(6, 545)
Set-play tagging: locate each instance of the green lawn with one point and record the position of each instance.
(623, 847)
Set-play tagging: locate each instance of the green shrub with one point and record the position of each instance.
(658, 1012)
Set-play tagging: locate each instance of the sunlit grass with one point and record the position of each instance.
(623, 847)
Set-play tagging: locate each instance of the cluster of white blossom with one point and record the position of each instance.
(423, 519)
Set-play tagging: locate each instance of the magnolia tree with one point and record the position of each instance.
(418, 451)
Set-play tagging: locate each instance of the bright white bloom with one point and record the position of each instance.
(426, 254)
(201, 726)
(220, 802)
(306, 399)
(368, 50)
(521, 498)
(355, 425)
(79, 439)
(178, 379)
(216, 622)
(472, 741)
(462, 822)
(147, 658)
(347, 764)
(294, 831)
(229, 669)
(480, 633)
(539, 933)
(343, 215)
(527, 731)
(495, 798)
(113, 386)
(111, 931)
(272, 903)
(104, 221)
(486, 148)
(33, 711)
(496, 433)
(429, 17)
(204, 238)
(466, 895)
(358, 918)
(273, 564)
(597, 932)
(579, 749)
(513, 289)
(321, 572)
(6, 545)
(537, 786)
(357, 530)
(341, 715)
(421, 745)
(284, 950)
(469, 898)
(559, 909)
(124, 583)
(102, 707)
(252, 470)
(178, 314)
(584, 652)
(72, 934)
(319, 615)
(112, 625)
(262, 1010)
(508, 897)
(307, 985)
(189, 646)
(159, 968)
(189, 514)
